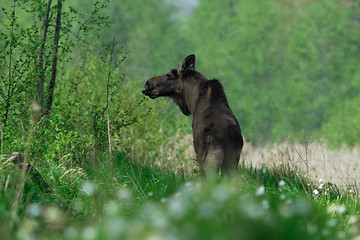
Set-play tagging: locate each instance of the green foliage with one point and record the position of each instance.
(343, 124)
(221, 210)
(160, 204)
(118, 165)
(284, 64)
(27, 62)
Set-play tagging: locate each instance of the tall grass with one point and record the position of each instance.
(157, 193)
(314, 160)
(153, 202)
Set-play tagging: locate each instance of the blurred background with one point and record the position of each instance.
(85, 155)
(289, 68)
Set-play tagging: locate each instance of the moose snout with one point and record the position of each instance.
(147, 88)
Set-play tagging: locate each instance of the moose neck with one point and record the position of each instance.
(191, 91)
(191, 97)
(188, 97)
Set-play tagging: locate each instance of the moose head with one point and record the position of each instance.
(169, 84)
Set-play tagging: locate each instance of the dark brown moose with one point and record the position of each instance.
(217, 135)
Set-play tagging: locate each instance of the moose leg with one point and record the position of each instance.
(231, 161)
(213, 159)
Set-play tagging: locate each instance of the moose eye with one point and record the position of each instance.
(169, 76)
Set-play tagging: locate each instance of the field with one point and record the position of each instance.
(276, 195)
(85, 155)
(315, 161)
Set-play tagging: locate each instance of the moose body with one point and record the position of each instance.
(217, 136)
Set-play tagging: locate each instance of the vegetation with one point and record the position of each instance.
(102, 162)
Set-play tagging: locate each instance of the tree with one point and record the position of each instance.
(284, 64)
(30, 60)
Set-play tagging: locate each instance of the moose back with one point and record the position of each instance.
(217, 136)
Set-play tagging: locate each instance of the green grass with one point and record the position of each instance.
(152, 202)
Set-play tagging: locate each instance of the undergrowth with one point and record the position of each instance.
(146, 201)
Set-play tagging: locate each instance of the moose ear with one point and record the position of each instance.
(188, 63)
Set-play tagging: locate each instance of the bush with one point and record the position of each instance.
(342, 128)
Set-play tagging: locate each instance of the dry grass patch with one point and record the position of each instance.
(315, 160)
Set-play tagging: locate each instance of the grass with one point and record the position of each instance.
(152, 202)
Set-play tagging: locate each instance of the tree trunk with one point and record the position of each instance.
(54, 60)
(41, 56)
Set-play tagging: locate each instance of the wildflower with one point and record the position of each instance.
(188, 184)
(301, 207)
(321, 186)
(353, 219)
(265, 204)
(331, 223)
(332, 209)
(315, 192)
(221, 193)
(260, 191)
(35, 210)
(282, 183)
(341, 209)
(176, 208)
(124, 194)
(111, 208)
(54, 218)
(89, 233)
(115, 227)
(89, 188)
(70, 233)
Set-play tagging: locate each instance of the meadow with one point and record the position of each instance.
(101, 161)
(275, 195)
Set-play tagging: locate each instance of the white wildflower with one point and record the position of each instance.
(260, 191)
(89, 233)
(341, 209)
(115, 227)
(124, 194)
(89, 188)
(265, 204)
(353, 219)
(282, 183)
(34, 210)
(176, 208)
(332, 209)
(70, 233)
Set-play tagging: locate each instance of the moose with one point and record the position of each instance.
(216, 132)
